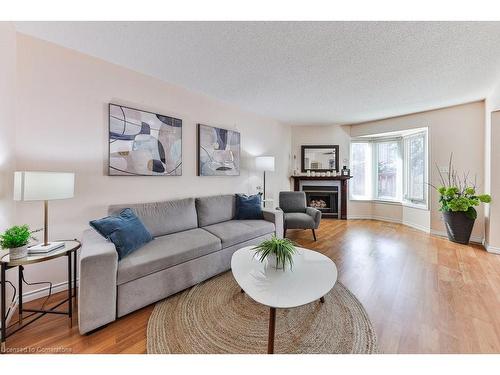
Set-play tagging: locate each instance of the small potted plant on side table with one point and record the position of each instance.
(16, 239)
(279, 252)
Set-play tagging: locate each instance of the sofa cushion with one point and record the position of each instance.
(125, 230)
(248, 207)
(167, 251)
(298, 220)
(215, 209)
(166, 217)
(236, 231)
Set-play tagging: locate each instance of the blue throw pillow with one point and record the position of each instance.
(248, 207)
(125, 230)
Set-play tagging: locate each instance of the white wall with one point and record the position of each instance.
(320, 135)
(62, 126)
(7, 131)
(457, 129)
(492, 166)
(7, 121)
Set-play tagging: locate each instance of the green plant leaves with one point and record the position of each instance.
(485, 198)
(470, 191)
(458, 193)
(283, 248)
(16, 236)
(451, 191)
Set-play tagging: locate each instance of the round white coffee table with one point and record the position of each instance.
(313, 275)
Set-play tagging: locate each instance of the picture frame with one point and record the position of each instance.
(218, 151)
(320, 158)
(143, 143)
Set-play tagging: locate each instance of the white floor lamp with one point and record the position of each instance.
(265, 164)
(44, 186)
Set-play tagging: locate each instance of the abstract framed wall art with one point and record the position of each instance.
(218, 151)
(143, 143)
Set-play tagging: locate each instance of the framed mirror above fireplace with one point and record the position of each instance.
(320, 158)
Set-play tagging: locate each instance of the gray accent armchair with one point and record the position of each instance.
(296, 213)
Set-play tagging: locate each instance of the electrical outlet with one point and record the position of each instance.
(443, 169)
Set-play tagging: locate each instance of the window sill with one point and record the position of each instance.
(393, 203)
(423, 207)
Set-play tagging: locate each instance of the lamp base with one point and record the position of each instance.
(42, 249)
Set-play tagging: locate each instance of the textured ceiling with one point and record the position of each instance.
(302, 72)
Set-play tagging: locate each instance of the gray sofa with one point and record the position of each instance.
(194, 240)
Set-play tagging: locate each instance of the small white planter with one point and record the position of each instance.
(18, 252)
(272, 262)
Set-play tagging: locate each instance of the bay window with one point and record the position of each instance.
(415, 168)
(388, 170)
(390, 167)
(361, 170)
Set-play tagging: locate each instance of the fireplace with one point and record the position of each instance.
(323, 198)
(334, 186)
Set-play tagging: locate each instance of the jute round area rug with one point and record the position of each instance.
(215, 317)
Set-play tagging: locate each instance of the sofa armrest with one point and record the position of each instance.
(97, 291)
(276, 217)
(315, 214)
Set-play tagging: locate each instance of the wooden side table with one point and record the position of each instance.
(69, 250)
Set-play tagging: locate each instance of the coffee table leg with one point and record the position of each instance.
(272, 328)
(322, 299)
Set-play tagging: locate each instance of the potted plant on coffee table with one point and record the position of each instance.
(16, 239)
(458, 197)
(279, 252)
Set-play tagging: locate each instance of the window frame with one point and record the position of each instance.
(403, 185)
(407, 176)
(375, 160)
(368, 174)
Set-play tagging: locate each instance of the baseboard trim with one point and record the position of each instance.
(473, 239)
(491, 249)
(390, 220)
(38, 293)
(370, 217)
(417, 226)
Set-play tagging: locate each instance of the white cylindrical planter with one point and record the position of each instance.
(272, 261)
(18, 252)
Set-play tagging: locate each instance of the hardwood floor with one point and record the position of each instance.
(423, 294)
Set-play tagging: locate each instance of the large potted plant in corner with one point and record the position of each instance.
(458, 197)
(16, 239)
(279, 252)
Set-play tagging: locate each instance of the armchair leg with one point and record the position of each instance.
(284, 233)
(314, 234)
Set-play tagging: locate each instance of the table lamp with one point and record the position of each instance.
(44, 186)
(265, 164)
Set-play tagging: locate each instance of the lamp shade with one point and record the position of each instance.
(41, 186)
(265, 163)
